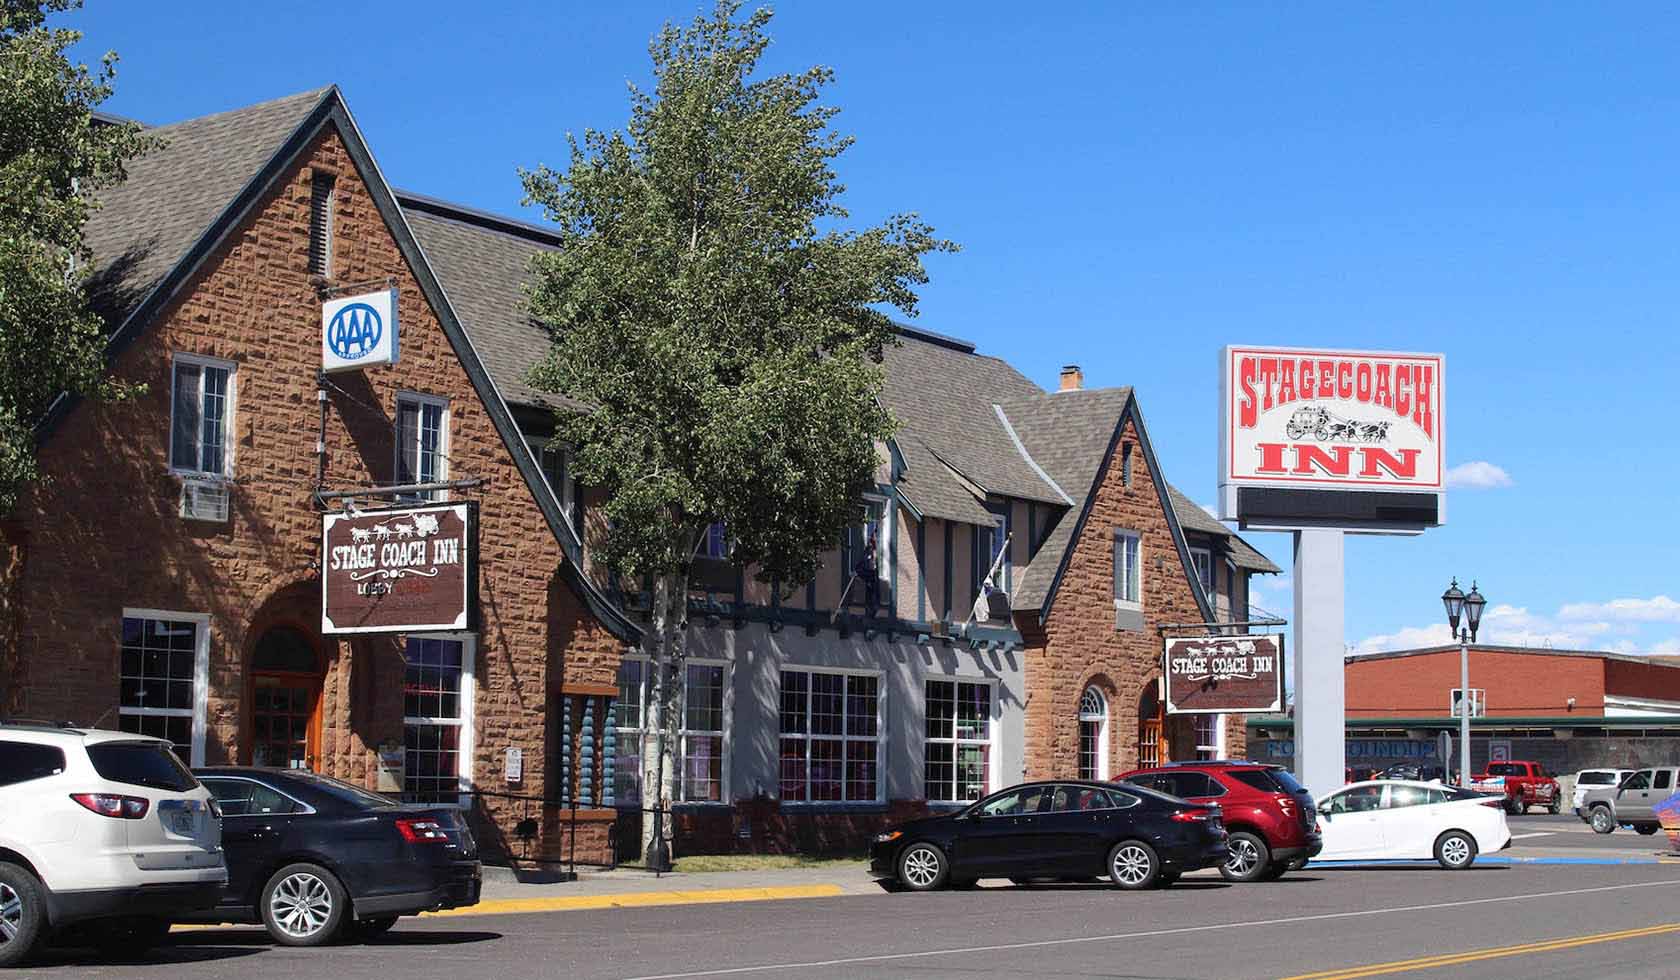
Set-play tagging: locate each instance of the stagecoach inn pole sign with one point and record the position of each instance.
(1209, 674)
(398, 571)
(1342, 420)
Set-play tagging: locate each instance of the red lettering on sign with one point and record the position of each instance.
(1286, 389)
(1404, 468)
(1268, 378)
(1247, 410)
(1344, 380)
(1403, 390)
(1362, 381)
(1326, 379)
(1307, 457)
(1423, 379)
(1271, 457)
(1384, 396)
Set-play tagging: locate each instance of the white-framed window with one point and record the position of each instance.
(438, 694)
(164, 678)
(556, 465)
(699, 755)
(1210, 736)
(960, 740)
(201, 416)
(1202, 560)
(831, 736)
(422, 438)
(1128, 570)
(1237, 605)
(1093, 735)
(714, 543)
(997, 536)
(874, 527)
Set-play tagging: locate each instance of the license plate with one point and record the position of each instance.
(180, 817)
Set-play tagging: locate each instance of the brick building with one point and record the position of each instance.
(1026, 546)
(1569, 709)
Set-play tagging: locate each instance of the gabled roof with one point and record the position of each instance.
(143, 254)
(1195, 519)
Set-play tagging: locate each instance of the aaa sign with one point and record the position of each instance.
(400, 571)
(1223, 673)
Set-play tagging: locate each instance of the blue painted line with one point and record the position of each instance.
(1406, 862)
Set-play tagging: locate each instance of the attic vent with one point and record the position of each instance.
(320, 223)
(204, 500)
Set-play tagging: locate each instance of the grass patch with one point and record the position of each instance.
(703, 863)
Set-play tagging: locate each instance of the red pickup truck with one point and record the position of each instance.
(1523, 784)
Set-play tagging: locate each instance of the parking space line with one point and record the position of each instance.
(1153, 933)
(698, 896)
(1491, 953)
(1538, 833)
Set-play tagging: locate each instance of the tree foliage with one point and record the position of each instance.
(53, 157)
(704, 302)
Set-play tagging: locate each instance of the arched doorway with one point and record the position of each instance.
(1093, 734)
(284, 687)
(1152, 746)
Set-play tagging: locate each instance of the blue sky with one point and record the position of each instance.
(1136, 186)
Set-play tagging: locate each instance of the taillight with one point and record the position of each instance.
(1495, 802)
(112, 805)
(422, 831)
(1286, 803)
(1191, 816)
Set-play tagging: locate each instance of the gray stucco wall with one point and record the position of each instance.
(753, 703)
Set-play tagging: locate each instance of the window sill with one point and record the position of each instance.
(832, 806)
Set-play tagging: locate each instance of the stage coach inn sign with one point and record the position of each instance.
(1208, 674)
(407, 570)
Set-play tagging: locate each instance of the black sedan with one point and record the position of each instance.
(314, 859)
(1135, 837)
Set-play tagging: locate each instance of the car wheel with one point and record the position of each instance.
(1132, 865)
(21, 913)
(1554, 808)
(302, 905)
(1456, 850)
(922, 867)
(1514, 808)
(1647, 829)
(1249, 857)
(362, 929)
(1600, 820)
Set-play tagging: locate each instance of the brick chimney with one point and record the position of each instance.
(1073, 379)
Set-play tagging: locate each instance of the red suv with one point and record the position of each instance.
(1272, 821)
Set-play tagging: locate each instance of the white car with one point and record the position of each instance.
(106, 832)
(1401, 819)
(1588, 780)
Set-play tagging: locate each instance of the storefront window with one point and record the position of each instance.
(437, 719)
(697, 751)
(959, 746)
(830, 734)
(159, 673)
(1208, 736)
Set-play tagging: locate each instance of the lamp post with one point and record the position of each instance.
(1468, 607)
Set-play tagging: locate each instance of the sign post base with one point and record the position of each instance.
(1320, 686)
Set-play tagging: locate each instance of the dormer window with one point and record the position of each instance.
(1202, 559)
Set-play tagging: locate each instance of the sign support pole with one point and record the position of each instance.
(1320, 687)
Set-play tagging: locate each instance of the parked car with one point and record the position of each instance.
(104, 833)
(1133, 836)
(1590, 779)
(1395, 819)
(1268, 815)
(314, 859)
(1632, 803)
(1418, 772)
(1522, 784)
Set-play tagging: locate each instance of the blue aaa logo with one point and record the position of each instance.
(354, 331)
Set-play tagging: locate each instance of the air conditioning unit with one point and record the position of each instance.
(204, 500)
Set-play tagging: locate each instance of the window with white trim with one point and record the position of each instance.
(1128, 570)
(555, 462)
(1093, 735)
(698, 757)
(163, 676)
(438, 685)
(830, 737)
(1210, 731)
(422, 437)
(1202, 560)
(959, 740)
(201, 416)
(875, 528)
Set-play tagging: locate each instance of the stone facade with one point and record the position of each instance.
(103, 532)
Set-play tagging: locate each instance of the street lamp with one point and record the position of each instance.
(1469, 608)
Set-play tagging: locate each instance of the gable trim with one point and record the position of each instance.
(1021, 448)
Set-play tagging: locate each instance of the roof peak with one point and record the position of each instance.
(314, 94)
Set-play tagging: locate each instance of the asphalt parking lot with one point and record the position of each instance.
(1496, 921)
(1542, 831)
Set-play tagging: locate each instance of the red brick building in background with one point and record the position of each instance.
(166, 564)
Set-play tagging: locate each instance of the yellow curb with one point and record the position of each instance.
(578, 903)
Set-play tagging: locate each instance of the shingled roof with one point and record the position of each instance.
(1194, 518)
(147, 224)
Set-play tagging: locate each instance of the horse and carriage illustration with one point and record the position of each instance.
(1326, 426)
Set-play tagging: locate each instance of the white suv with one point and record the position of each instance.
(106, 829)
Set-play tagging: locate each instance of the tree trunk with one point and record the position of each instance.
(665, 644)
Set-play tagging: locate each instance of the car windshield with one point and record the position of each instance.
(141, 764)
(1597, 779)
(1503, 769)
(343, 791)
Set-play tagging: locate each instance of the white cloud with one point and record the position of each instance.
(1405, 638)
(1478, 475)
(1657, 609)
